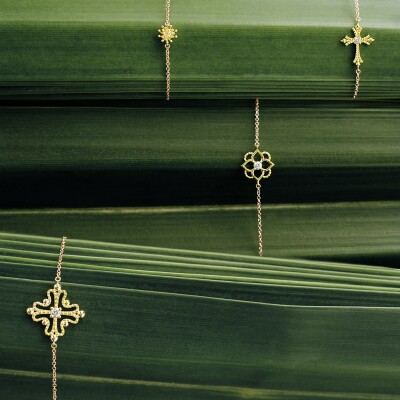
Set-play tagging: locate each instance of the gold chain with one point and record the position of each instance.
(258, 186)
(167, 11)
(54, 368)
(167, 70)
(167, 47)
(55, 313)
(358, 70)
(357, 84)
(167, 33)
(357, 9)
(60, 259)
(257, 125)
(54, 338)
(358, 40)
(257, 165)
(259, 220)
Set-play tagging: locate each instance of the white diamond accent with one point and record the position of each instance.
(357, 40)
(257, 165)
(55, 312)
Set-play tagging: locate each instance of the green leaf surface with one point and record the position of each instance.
(161, 221)
(290, 50)
(190, 153)
(367, 233)
(151, 340)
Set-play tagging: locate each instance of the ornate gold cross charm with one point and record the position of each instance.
(357, 40)
(55, 312)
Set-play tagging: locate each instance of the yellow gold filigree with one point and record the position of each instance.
(257, 165)
(55, 312)
(357, 40)
(167, 33)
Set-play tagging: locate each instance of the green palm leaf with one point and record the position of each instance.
(200, 340)
(270, 49)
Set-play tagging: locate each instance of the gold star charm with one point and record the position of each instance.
(55, 312)
(357, 40)
(257, 165)
(167, 33)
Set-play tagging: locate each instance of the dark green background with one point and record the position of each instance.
(161, 221)
(225, 49)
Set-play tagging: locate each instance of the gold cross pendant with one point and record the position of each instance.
(55, 312)
(357, 40)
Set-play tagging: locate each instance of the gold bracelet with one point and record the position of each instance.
(55, 312)
(167, 33)
(357, 40)
(257, 165)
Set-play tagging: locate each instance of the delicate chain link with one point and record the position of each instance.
(257, 124)
(54, 368)
(60, 259)
(357, 84)
(357, 9)
(259, 220)
(258, 186)
(167, 11)
(167, 70)
(54, 338)
(358, 70)
(167, 49)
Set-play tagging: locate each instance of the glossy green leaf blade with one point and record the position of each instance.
(240, 269)
(149, 154)
(172, 339)
(224, 50)
(145, 336)
(316, 231)
(207, 274)
(104, 388)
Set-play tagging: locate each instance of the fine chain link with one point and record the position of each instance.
(257, 124)
(167, 48)
(258, 186)
(357, 9)
(358, 70)
(167, 70)
(54, 368)
(357, 84)
(54, 344)
(60, 259)
(167, 11)
(259, 220)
